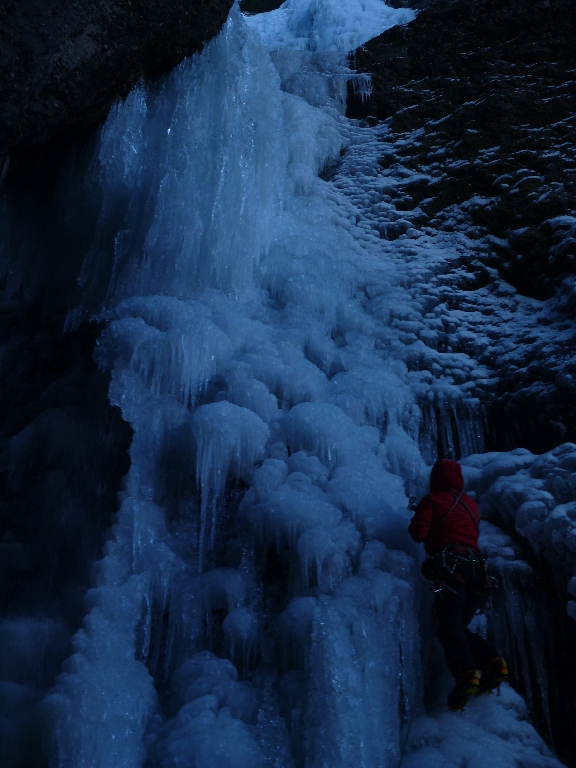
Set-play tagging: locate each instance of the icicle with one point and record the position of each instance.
(452, 426)
(325, 554)
(215, 132)
(361, 86)
(230, 439)
(241, 629)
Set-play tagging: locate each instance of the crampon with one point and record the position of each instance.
(467, 684)
(493, 675)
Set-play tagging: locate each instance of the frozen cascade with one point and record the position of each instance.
(327, 25)
(262, 340)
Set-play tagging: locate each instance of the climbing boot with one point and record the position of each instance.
(493, 675)
(467, 684)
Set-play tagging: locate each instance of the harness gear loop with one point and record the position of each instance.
(458, 563)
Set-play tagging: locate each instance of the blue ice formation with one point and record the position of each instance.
(260, 335)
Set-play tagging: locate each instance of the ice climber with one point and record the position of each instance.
(447, 521)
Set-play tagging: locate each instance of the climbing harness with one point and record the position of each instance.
(467, 685)
(455, 559)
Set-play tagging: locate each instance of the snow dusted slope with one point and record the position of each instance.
(258, 601)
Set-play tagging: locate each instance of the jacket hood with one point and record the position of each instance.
(446, 475)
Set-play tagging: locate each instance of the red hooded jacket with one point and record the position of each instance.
(427, 525)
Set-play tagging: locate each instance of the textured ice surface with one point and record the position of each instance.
(326, 25)
(229, 439)
(533, 495)
(492, 731)
(232, 115)
(266, 344)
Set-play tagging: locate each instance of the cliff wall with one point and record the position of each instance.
(64, 62)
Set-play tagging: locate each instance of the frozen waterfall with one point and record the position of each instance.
(258, 601)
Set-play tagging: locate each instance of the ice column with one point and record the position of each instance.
(190, 177)
(190, 174)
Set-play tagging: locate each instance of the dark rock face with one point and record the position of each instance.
(493, 86)
(62, 64)
(481, 99)
(420, 4)
(63, 447)
(259, 6)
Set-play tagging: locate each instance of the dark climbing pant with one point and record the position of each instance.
(455, 610)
